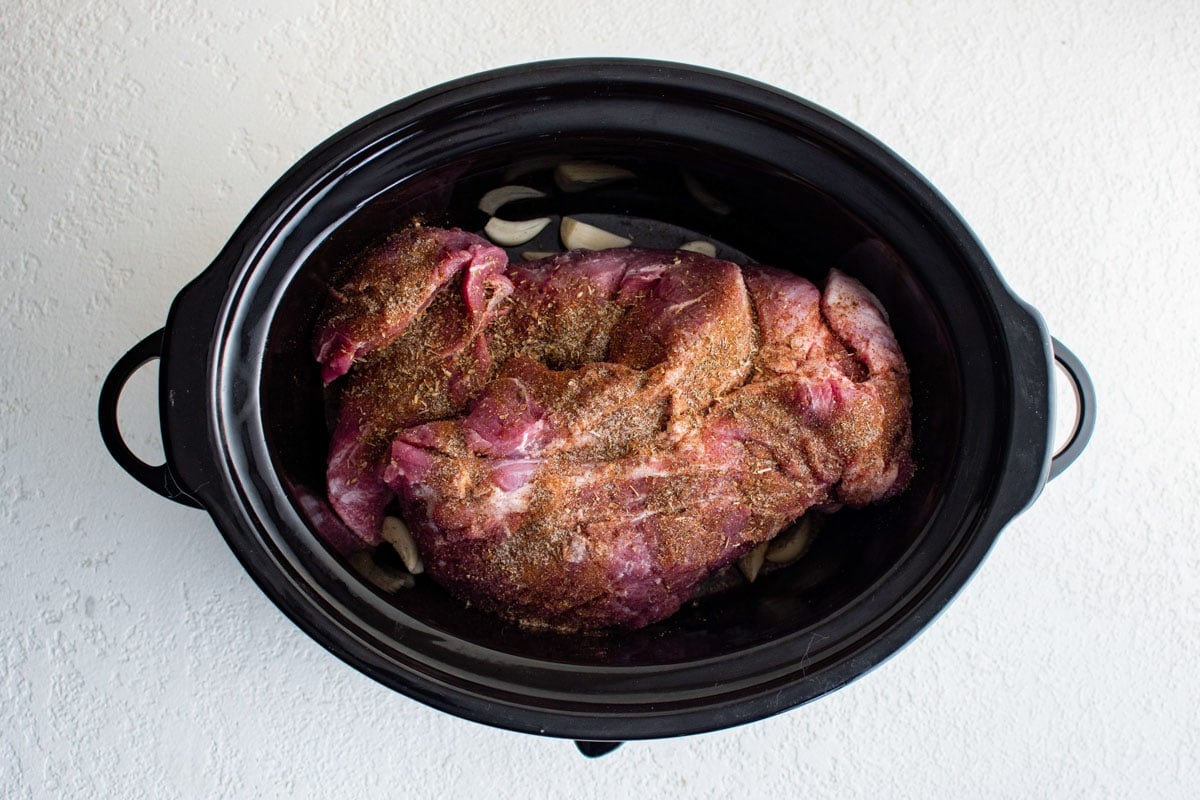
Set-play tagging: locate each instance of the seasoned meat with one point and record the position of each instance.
(411, 312)
(395, 283)
(586, 449)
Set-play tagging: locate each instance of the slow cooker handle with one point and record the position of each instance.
(1085, 409)
(157, 478)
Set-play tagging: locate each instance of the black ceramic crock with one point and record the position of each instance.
(245, 431)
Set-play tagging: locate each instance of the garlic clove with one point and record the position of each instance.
(537, 255)
(792, 542)
(386, 580)
(700, 246)
(752, 562)
(575, 176)
(491, 202)
(396, 533)
(704, 197)
(577, 235)
(510, 233)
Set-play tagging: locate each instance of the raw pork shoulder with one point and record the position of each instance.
(579, 442)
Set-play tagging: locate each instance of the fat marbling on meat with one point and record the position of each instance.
(581, 441)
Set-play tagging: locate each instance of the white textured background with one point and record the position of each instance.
(138, 660)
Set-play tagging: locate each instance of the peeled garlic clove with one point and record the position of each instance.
(578, 235)
(703, 197)
(792, 543)
(700, 246)
(752, 562)
(537, 255)
(491, 202)
(511, 233)
(385, 579)
(396, 533)
(575, 176)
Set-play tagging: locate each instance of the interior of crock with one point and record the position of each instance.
(774, 218)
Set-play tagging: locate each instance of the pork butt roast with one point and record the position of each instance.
(581, 441)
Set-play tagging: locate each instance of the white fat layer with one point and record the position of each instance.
(649, 470)
(502, 503)
(577, 550)
(677, 307)
(529, 435)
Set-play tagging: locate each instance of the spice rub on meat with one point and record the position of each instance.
(581, 441)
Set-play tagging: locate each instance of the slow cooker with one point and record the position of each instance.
(784, 183)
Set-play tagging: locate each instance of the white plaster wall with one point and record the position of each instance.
(138, 660)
